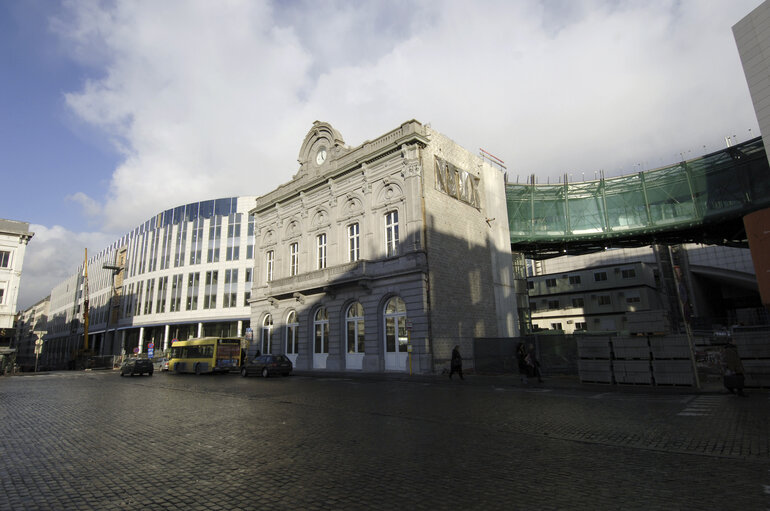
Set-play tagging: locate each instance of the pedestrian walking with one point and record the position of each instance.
(521, 358)
(734, 374)
(456, 365)
(534, 363)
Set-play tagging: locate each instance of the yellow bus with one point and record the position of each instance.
(205, 355)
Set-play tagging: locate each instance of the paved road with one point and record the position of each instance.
(94, 440)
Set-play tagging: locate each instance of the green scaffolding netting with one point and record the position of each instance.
(714, 188)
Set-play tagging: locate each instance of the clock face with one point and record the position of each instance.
(320, 156)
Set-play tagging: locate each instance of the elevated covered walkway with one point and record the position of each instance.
(701, 200)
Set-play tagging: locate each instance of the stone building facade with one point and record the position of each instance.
(14, 237)
(382, 257)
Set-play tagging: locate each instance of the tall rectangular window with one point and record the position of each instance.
(391, 234)
(247, 287)
(193, 282)
(154, 247)
(138, 298)
(293, 259)
(231, 289)
(181, 243)
(197, 241)
(143, 253)
(162, 289)
(269, 265)
(233, 237)
(176, 292)
(128, 301)
(354, 243)
(600, 276)
(148, 296)
(5, 259)
(251, 236)
(215, 237)
(321, 251)
(210, 291)
(165, 253)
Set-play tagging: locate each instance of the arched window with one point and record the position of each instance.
(267, 333)
(395, 326)
(355, 328)
(292, 346)
(321, 330)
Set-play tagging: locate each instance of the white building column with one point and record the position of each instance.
(200, 329)
(240, 328)
(141, 340)
(165, 337)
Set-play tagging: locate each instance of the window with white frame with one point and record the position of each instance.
(269, 265)
(391, 233)
(354, 243)
(395, 326)
(292, 343)
(293, 259)
(247, 287)
(148, 295)
(5, 259)
(176, 292)
(233, 237)
(193, 282)
(162, 289)
(355, 328)
(215, 236)
(320, 251)
(231, 288)
(267, 333)
(250, 236)
(321, 331)
(197, 241)
(210, 291)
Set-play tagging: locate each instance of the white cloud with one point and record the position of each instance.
(213, 99)
(91, 208)
(54, 254)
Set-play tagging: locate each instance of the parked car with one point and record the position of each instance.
(266, 365)
(161, 364)
(138, 366)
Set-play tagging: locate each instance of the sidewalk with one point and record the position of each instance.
(562, 382)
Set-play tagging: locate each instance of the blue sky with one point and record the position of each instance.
(111, 112)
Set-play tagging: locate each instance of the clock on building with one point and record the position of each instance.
(320, 156)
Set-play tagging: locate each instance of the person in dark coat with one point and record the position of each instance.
(456, 366)
(521, 358)
(734, 373)
(534, 364)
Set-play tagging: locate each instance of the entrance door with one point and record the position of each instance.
(396, 339)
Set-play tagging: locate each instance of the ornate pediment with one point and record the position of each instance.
(321, 147)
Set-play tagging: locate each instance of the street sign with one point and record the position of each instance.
(136, 350)
(151, 345)
(408, 324)
(150, 352)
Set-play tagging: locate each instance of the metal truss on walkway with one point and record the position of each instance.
(700, 200)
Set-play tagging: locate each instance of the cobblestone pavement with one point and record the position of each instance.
(94, 440)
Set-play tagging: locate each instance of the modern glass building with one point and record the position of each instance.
(186, 272)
